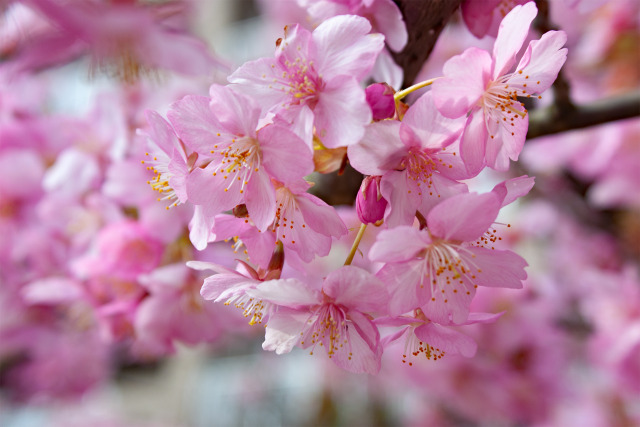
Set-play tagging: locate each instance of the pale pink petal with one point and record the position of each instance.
(203, 188)
(508, 141)
(541, 62)
(514, 29)
(466, 77)
(344, 47)
(204, 266)
(286, 292)
(432, 129)
(388, 20)
(237, 113)
(258, 79)
(261, 200)
(398, 244)
(483, 318)
(196, 124)
(283, 330)
(380, 150)
(512, 189)
(356, 288)
(473, 142)
(502, 269)
(464, 217)
(161, 132)
(358, 355)
(200, 228)
(403, 281)
(215, 286)
(320, 217)
(441, 189)
(341, 113)
(446, 339)
(386, 70)
(402, 195)
(285, 156)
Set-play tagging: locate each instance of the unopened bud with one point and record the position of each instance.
(370, 204)
(380, 99)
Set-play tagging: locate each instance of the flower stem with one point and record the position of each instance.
(356, 242)
(401, 94)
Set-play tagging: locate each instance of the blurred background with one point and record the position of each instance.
(89, 337)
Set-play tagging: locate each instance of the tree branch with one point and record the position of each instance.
(552, 120)
(425, 20)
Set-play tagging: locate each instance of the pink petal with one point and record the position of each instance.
(508, 141)
(256, 79)
(261, 200)
(237, 113)
(441, 189)
(320, 217)
(466, 77)
(286, 292)
(200, 228)
(358, 355)
(215, 286)
(446, 339)
(388, 19)
(205, 189)
(541, 62)
(501, 269)
(432, 129)
(380, 150)
(356, 289)
(196, 125)
(344, 47)
(512, 189)
(285, 156)
(403, 280)
(464, 217)
(399, 244)
(473, 143)
(283, 330)
(514, 29)
(402, 195)
(341, 113)
(161, 132)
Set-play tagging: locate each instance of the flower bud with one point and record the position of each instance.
(380, 99)
(370, 204)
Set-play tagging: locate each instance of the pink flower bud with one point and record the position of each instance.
(370, 204)
(380, 99)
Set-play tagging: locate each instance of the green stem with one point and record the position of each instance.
(356, 242)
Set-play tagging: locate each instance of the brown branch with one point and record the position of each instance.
(552, 120)
(425, 20)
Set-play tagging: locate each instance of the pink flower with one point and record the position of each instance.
(335, 318)
(126, 38)
(317, 75)
(479, 84)
(241, 158)
(167, 159)
(416, 158)
(434, 341)
(438, 269)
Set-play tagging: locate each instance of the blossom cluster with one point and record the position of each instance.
(242, 154)
(128, 228)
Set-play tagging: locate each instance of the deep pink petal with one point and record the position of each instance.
(465, 79)
(514, 29)
(464, 217)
